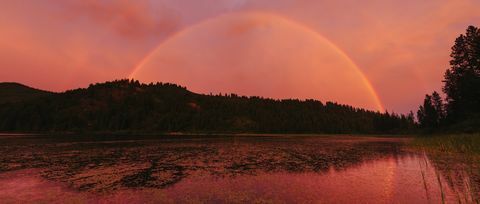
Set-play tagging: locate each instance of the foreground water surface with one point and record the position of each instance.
(226, 169)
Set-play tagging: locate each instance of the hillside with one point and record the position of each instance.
(125, 105)
(15, 92)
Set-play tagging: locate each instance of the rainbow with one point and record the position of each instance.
(275, 17)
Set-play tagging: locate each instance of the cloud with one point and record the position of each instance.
(402, 46)
(134, 19)
(74, 43)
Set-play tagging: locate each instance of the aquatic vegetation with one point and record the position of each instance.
(106, 165)
(225, 169)
(457, 159)
(465, 144)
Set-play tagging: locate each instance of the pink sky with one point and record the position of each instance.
(401, 47)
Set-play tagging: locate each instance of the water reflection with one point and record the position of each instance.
(226, 169)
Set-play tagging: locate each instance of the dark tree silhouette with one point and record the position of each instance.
(461, 110)
(439, 107)
(431, 113)
(462, 80)
(129, 106)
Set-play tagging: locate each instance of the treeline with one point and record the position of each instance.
(460, 110)
(14, 92)
(127, 105)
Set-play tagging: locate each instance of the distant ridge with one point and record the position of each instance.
(132, 107)
(16, 92)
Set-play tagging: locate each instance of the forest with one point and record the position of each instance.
(130, 106)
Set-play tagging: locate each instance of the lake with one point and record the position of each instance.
(226, 169)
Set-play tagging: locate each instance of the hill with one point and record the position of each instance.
(15, 92)
(127, 105)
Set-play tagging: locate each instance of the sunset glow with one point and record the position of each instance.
(240, 101)
(272, 57)
(384, 55)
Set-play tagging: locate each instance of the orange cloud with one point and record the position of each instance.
(67, 44)
(129, 18)
(402, 46)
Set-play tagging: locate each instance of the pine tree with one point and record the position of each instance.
(462, 80)
(430, 114)
(437, 103)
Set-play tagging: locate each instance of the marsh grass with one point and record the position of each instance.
(465, 144)
(454, 155)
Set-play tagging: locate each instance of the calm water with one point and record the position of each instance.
(225, 169)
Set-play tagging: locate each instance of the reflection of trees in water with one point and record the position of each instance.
(100, 166)
(460, 173)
